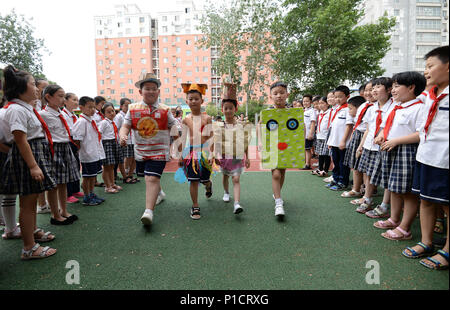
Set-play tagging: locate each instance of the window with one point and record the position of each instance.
(396, 50)
(188, 42)
(428, 24)
(112, 91)
(205, 69)
(130, 81)
(178, 59)
(187, 10)
(141, 30)
(122, 85)
(166, 70)
(99, 32)
(128, 51)
(100, 72)
(396, 12)
(165, 39)
(188, 53)
(130, 71)
(99, 43)
(428, 36)
(197, 80)
(164, 18)
(165, 50)
(428, 11)
(102, 82)
(130, 91)
(128, 41)
(197, 69)
(129, 61)
(144, 70)
(205, 80)
(179, 70)
(119, 25)
(111, 61)
(189, 63)
(100, 53)
(196, 59)
(143, 61)
(112, 82)
(122, 95)
(177, 39)
(127, 20)
(142, 19)
(143, 50)
(120, 44)
(166, 80)
(112, 72)
(143, 40)
(110, 52)
(164, 29)
(189, 73)
(122, 75)
(205, 58)
(166, 90)
(396, 62)
(120, 55)
(165, 60)
(121, 65)
(100, 62)
(127, 31)
(176, 18)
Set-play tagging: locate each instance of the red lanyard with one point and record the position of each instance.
(390, 119)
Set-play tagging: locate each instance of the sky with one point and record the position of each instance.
(67, 28)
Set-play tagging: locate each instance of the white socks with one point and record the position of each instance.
(9, 212)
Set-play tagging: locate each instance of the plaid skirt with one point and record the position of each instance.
(367, 161)
(65, 167)
(113, 152)
(350, 159)
(16, 177)
(128, 151)
(397, 167)
(322, 147)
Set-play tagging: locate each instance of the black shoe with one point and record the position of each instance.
(306, 168)
(73, 217)
(67, 221)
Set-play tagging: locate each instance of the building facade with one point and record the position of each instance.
(422, 25)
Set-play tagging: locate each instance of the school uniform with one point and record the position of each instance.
(397, 165)
(98, 117)
(431, 171)
(91, 150)
(368, 163)
(71, 119)
(150, 126)
(309, 115)
(16, 177)
(110, 138)
(128, 150)
(340, 119)
(6, 137)
(64, 164)
(322, 133)
(350, 159)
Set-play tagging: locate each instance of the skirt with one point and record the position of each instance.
(350, 159)
(16, 177)
(113, 152)
(232, 167)
(65, 167)
(322, 148)
(128, 151)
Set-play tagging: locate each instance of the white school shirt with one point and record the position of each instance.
(5, 132)
(310, 115)
(56, 127)
(362, 126)
(332, 111)
(119, 120)
(97, 117)
(21, 117)
(370, 119)
(38, 105)
(107, 130)
(322, 130)
(433, 151)
(69, 116)
(91, 150)
(337, 127)
(405, 119)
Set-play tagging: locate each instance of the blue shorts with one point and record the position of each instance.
(153, 168)
(431, 183)
(90, 170)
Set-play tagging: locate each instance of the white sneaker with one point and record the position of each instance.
(44, 209)
(161, 197)
(329, 179)
(226, 197)
(237, 208)
(147, 218)
(279, 210)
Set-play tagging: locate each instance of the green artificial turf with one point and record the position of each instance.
(322, 243)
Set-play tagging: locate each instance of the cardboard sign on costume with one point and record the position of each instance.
(283, 138)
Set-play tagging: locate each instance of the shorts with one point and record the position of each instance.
(431, 183)
(153, 168)
(90, 170)
(309, 144)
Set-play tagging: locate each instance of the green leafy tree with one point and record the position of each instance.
(239, 34)
(322, 44)
(18, 45)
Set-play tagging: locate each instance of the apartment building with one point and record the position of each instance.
(422, 25)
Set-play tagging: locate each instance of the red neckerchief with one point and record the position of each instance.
(337, 111)
(43, 124)
(390, 119)
(95, 127)
(361, 115)
(74, 118)
(321, 118)
(433, 108)
(64, 122)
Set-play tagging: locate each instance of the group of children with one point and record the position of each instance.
(394, 136)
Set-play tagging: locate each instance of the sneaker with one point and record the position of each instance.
(44, 209)
(96, 198)
(332, 183)
(237, 208)
(226, 197)
(161, 197)
(89, 201)
(79, 194)
(147, 218)
(329, 179)
(279, 210)
(72, 199)
(315, 164)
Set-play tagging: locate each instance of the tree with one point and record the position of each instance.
(18, 46)
(321, 44)
(240, 35)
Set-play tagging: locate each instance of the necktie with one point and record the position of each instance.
(95, 127)
(43, 124)
(390, 119)
(433, 108)
(63, 120)
(337, 111)
(361, 115)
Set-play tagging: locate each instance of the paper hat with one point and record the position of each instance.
(201, 88)
(229, 91)
(147, 77)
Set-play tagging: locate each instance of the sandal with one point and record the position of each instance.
(385, 225)
(415, 254)
(99, 184)
(44, 238)
(439, 227)
(119, 188)
(350, 194)
(195, 213)
(111, 190)
(357, 202)
(26, 255)
(322, 174)
(392, 235)
(129, 180)
(208, 187)
(437, 264)
(315, 172)
(364, 207)
(377, 213)
(15, 234)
